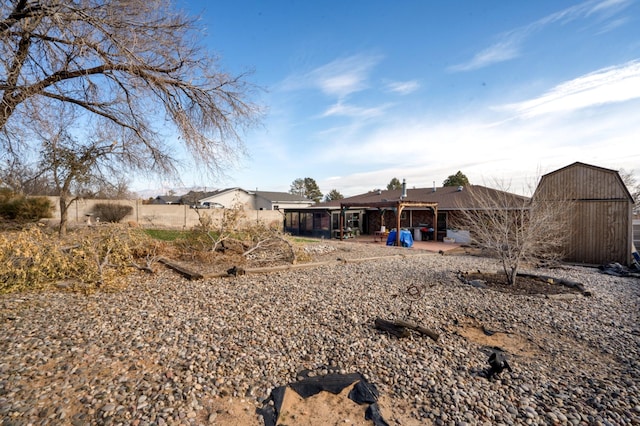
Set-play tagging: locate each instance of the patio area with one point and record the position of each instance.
(434, 246)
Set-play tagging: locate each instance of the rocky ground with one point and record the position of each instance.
(171, 351)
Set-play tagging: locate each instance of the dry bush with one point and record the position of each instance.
(34, 259)
(30, 259)
(235, 236)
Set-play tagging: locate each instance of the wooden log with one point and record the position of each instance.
(391, 328)
(179, 269)
(422, 330)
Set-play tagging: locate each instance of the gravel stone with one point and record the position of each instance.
(160, 351)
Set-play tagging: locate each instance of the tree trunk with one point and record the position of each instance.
(64, 214)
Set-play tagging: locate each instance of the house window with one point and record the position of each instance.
(335, 221)
(293, 221)
(353, 220)
(321, 221)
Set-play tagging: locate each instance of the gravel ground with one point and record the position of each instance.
(165, 349)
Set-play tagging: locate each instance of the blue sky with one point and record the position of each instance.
(358, 92)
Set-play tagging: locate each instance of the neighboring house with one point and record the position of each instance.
(420, 209)
(265, 200)
(254, 200)
(166, 199)
(228, 198)
(191, 198)
(601, 229)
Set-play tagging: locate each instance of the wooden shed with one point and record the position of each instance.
(601, 228)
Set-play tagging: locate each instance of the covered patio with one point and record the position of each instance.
(396, 206)
(430, 246)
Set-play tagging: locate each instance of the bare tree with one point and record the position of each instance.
(131, 66)
(516, 228)
(74, 167)
(633, 185)
(27, 179)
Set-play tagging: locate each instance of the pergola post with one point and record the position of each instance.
(398, 215)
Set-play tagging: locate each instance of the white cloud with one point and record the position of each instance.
(510, 44)
(608, 85)
(338, 78)
(516, 151)
(342, 109)
(403, 87)
(502, 51)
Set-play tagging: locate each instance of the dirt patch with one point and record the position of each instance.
(524, 285)
(509, 342)
(322, 408)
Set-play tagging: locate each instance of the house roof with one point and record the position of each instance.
(169, 199)
(283, 197)
(193, 197)
(446, 198)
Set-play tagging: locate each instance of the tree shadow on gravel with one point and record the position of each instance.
(525, 284)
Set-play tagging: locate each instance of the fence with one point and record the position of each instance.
(170, 216)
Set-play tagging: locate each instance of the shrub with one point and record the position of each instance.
(111, 212)
(24, 209)
(34, 208)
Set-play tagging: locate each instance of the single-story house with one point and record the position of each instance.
(428, 212)
(601, 228)
(254, 200)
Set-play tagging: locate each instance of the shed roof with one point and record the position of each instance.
(590, 188)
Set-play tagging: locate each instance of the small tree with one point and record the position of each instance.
(334, 194)
(297, 187)
(394, 184)
(515, 228)
(459, 179)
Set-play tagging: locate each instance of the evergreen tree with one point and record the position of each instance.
(394, 184)
(312, 190)
(333, 195)
(459, 179)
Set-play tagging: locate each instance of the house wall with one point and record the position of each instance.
(264, 204)
(601, 229)
(231, 198)
(171, 216)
